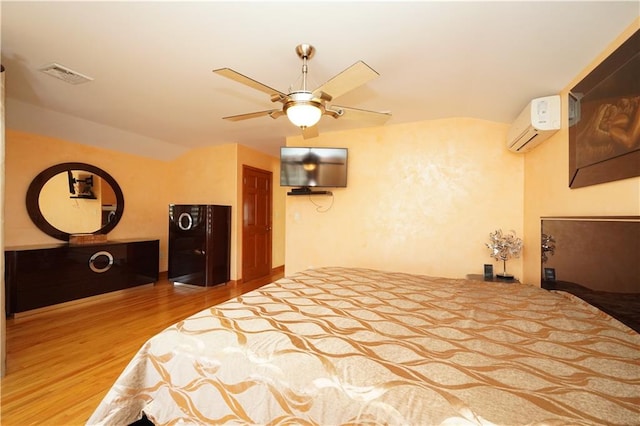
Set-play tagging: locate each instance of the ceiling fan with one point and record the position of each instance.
(303, 107)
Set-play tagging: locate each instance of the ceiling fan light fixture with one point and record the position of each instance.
(303, 110)
(304, 114)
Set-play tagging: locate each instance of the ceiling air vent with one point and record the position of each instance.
(65, 74)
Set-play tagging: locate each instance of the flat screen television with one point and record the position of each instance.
(313, 167)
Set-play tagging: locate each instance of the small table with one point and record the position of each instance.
(494, 279)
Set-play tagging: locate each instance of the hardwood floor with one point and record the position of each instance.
(62, 360)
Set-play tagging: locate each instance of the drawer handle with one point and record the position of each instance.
(95, 256)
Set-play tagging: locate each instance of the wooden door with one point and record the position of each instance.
(256, 223)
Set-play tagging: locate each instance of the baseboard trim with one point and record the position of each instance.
(274, 271)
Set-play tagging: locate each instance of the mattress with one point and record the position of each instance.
(333, 346)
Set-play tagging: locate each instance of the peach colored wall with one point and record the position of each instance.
(143, 181)
(421, 198)
(547, 191)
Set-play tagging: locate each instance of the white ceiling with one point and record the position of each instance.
(154, 94)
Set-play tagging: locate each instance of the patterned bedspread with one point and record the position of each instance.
(354, 346)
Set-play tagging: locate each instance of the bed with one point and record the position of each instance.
(340, 345)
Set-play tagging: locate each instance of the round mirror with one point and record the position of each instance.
(74, 198)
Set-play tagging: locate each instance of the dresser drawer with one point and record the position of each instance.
(42, 277)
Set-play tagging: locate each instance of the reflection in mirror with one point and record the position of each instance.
(84, 210)
(80, 184)
(74, 198)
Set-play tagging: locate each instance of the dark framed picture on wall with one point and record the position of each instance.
(604, 120)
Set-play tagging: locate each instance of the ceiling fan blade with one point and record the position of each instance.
(374, 117)
(240, 78)
(354, 76)
(310, 132)
(273, 113)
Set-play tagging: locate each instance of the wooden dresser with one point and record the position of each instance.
(43, 275)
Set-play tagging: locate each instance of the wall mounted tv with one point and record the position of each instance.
(313, 167)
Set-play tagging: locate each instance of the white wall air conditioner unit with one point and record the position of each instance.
(536, 123)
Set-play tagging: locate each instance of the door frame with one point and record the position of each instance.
(246, 168)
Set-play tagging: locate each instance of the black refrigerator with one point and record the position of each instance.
(199, 244)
